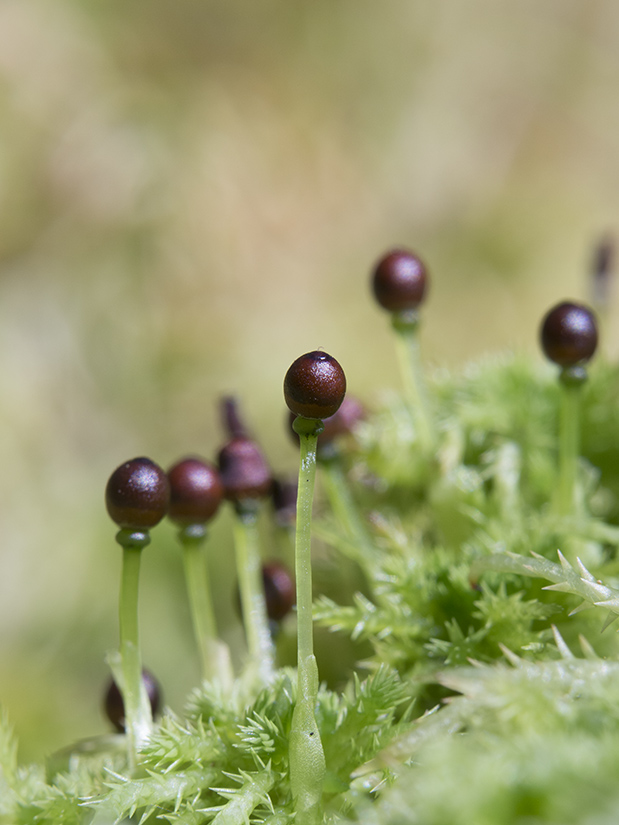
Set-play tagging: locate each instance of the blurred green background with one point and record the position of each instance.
(192, 193)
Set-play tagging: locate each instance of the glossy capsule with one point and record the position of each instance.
(137, 494)
(569, 334)
(315, 386)
(399, 281)
(113, 701)
(279, 590)
(244, 471)
(196, 491)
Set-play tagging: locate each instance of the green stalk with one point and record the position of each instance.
(138, 716)
(249, 570)
(214, 655)
(346, 512)
(307, 761)
(407, 349)
(569, 442)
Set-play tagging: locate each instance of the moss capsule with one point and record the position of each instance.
(196, 491)
(284, 500)
(399, 281)
(114, 705)
(569, 334)
(244, 471)
(315, 386)
(279, 590)
(137, 494)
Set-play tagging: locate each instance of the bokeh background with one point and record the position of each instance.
(192, 193)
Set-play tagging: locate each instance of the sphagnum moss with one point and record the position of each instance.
(461, 568)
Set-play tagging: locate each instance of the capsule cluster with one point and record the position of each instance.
(139, 493)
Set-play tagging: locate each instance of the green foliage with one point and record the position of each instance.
(454, 554)
(538, 742)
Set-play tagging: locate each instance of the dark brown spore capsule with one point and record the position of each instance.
(399, 281)
(279, 590)
(336, 426)
(350, 413)
(569, 334)
(602, 272)
(231, 417)
(137, 494)
(196, 491)
(315, 386)
(115, 707)
(244, 471)
(284, 500)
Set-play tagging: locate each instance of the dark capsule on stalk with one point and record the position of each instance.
(244, 471)
(196, 491)
(234, 425)
(279, 590)
(284, 501)
(137, 494)
(399, 281)
(336, 426)
(569, 334)
(602, 271)
(315, 386)
(115, 707)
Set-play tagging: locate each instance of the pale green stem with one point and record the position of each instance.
(569, 447)
(346, 512)
(214, 654)
(138, 717)
(285, 542)
(249, 571)
(307, 761)
(407, 349)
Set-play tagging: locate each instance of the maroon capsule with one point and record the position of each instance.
(342, 423)
(350, 413)
(115, 707)
(244, 471)
(284, 501)
(279, 590)
(569, 334)
(399, 281)
(196, 491)
(315, 386)
(234, 425)
(137, 494)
